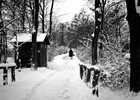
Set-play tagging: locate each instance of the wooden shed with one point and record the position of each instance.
(25, 49)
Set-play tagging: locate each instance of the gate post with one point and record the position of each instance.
(13, 74)
(5, 76)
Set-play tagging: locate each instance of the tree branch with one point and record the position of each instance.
(9, 23)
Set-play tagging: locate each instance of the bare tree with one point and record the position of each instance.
(34, 34)
(96, 32)
(80, 30)
(2, 38)
(13, 19)
(43, 13)
(51, 13)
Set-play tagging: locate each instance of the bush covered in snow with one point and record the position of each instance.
(118, 78)
(84, 54)
(115, 70)
(55, 50)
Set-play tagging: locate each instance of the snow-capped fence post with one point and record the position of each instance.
(90, 75)
(95, 72)
(5, 67)
(13, 74)
(81, 71)
(5, 76)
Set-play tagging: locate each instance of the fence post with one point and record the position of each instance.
(13, 74)
(5, 76)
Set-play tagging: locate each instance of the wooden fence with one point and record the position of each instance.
(90, 75)
(5, 67)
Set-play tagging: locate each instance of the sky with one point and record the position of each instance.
(66, 9)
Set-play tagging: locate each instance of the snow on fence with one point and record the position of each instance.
(90, 74)
(5, 67)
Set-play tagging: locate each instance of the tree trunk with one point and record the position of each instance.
(34, 36)
(3, 40)
(43, 11)
(23, 14)
(134, 23)
(138, 2)
(62, 35)
(96, 34)
(34, 51)
(0, 31)
(51, 12)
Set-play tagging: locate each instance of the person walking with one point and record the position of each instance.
(71, 53)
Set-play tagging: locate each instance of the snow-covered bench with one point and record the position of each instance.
(5, 67)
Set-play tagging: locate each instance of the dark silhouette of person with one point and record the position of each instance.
(70, 53)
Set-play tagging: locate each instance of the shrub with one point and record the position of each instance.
(84, 54)
(112, 63)
(55, 50)
(119, 76)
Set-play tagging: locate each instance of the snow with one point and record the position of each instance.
(27, 37)
(7, 64)
(61, 81)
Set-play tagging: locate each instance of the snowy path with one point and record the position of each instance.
(64, 84)
(61, 83)
(61, 86)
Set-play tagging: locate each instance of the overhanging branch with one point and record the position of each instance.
(9, 23)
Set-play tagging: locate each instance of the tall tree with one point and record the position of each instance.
(2, 37)
(43, 13)
(42, 10)
(138, 3)
(115, 32)
(62, 34)
(81, 28)
(134, 22)
(34, 34)
(14, 19)
(51, 13)
(96, 32)
(101, 8)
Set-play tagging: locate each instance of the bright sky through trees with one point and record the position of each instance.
(68, 8)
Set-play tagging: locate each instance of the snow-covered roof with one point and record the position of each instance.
(26, 37)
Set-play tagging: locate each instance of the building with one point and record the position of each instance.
(24, 43)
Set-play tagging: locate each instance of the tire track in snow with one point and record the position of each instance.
(37, 85)
(55, 88)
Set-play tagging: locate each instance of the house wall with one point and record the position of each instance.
(43, 55)
(25, 53)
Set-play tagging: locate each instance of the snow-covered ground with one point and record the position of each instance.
(60, 82)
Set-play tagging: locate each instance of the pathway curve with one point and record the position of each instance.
(64, 84)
